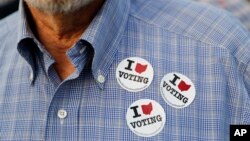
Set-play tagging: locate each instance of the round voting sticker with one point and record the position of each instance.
(177, 90)
(146, 118)
(134, 74)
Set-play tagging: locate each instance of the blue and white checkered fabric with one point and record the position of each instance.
(200, 42)
(239, 8)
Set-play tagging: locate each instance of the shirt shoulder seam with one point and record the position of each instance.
(193, 38)
(181, 34)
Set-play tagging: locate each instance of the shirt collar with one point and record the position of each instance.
(24, 30)
(104, 34)
(25, 41)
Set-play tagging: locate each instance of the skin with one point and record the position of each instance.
(59, 31)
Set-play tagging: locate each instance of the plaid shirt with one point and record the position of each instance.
(239, 8)
(202, 43)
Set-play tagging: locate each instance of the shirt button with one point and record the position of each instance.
(82, 50)
(101, 78)
(62, 114)
(31, 76)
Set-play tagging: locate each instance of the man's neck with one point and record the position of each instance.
(63, 27)
(59, 32)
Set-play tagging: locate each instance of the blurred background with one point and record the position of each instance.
(239, 8)
(7, 7)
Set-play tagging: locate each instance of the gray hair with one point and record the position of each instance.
(58, 6)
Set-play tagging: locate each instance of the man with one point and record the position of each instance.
(121, 70)
(239, 8)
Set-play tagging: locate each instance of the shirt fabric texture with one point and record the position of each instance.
(203, 43)
(239, 8)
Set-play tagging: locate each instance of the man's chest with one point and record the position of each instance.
(142, 97)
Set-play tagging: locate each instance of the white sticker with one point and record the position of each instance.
(177, 90)
(134, 74)
(146, 118)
